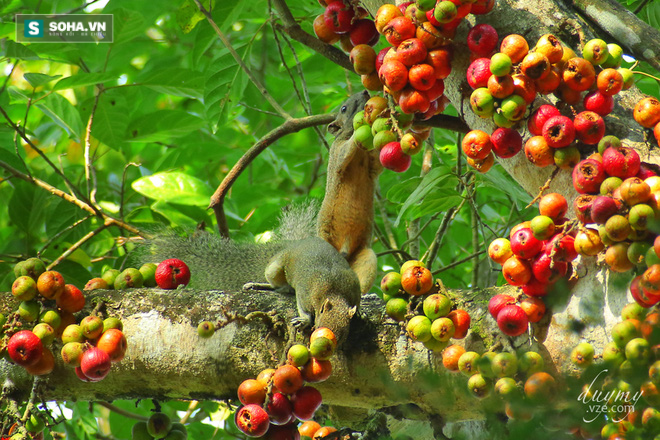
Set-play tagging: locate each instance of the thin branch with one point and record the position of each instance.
(8, 77)
(641, 6)
(88, 136)
(452, 123)
(461, 261)
(240, 62)
(122, 412)
(62, 232)
(293, 30)
(288, 127)
(77, 244)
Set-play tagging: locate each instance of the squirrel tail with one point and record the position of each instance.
(298, 222)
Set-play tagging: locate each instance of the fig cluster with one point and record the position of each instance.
(48, 304)
(168, 274)
(437, 323)
(278, 399)
(159, 426)
(627, 372)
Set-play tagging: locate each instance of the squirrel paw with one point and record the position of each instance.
(258, 286)
(301, 323)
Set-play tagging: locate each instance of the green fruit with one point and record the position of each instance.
(507, 388)
(148, 271)
(500, 64)
(609, 185)
(638, 351)
(633, 311)
(363, 137)
(566, 158)
(32, 267)
(614, 56)
(543, 227)
(3, 320)
(445, 11)
(72, 353)
(112, 322)
(436, 306)
(391, 283)
(609, 141)
(505, 364)
(404, 120)
(29, 310)
(530, 362)
(381, 124)
(358, 120)
(637, 252)
(91, 326)
(613, 356)
(442, 329)
(651, 258)
(383, 138)
(482, 103)
(513, 107)
(623, 332)
(435, 345)
(24, 288)
(129, 278)
(175, 435)
(419, 328)
(396, 308)
(595, 51)
(73, 333)
(110, 275)
(45, 332)
(34, 424)
(322, 348)
(178, 426)
(641, 216)
(478, 386)
(425, 5)
(205, 329)
(583, 355)
(501, 121)
(158, 425)
(485, 364)
(467, 363)
(51, 317)
(654, 372)
(628, 78)
(298, 355)
(140, 432)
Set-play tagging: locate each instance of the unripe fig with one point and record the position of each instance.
(478, 386)
(419, 328)
(467, 363)
(583, 355)
(436, 306)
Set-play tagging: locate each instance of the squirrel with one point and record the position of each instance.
(347, 213)
(308, 256)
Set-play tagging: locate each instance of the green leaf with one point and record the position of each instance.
(497, 179)
(26, 207)
(128, 25)
(188, 15)
(17, 50)
(174, 187)
(225, 83)
(83, 79)
(176, 81)
(38, 79)
(162, 125)
(111, 119)
(63, 113)
(653, 14)
(438, 178)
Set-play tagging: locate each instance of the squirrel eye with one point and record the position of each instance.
(343, 109)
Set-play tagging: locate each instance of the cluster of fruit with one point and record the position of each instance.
(507, 82)
(537, 254)
(629, 369)
(647, 114)
(438, 323)
(277, 399)
(90, 346)
(345, 23)
(168, 274)
(159, 426)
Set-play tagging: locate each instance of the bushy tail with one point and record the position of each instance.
(298, 222)
(214, 262)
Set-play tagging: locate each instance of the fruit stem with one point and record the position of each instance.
(646, 74)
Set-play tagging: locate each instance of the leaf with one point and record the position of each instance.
(128, 24)
(83, 79)
(438, 178)
(497, 179)
(63, 113)
(439, 201)
(653, 14)
(174, 187)
(17, 50)
(162, 125)
(111, 119)
(224, 83)
(188, 15)
(26, 207)
(176, 81)
(38, 79)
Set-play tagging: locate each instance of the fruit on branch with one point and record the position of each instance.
(129, 278)
(451, 356)
(588, 176)
(419, 328)
(113, 342)
(95, 364)
(71, 300)
(288, 379)
(338, 17)
(24, 288)
(558, 131)
(505, 364)
(252, 420)
(461, 320)
(595, 51)
(91, 327)
(579, 74)
(305, 402)
(172, 273)
(512, 320)
(506, 142)
(599, 103)
(50, 284)
(589, 127)
(25, 348)
(583, 355)
(540, 387)
(279, 409)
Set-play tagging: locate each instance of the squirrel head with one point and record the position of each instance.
(336, 315)
(348, 109)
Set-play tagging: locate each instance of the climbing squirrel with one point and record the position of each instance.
(347, 213)
(326, 270)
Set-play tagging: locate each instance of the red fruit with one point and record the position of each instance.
(524, 244)
(497, 303)
(587, 176)
(172, 273)
(512, 320)
(461, 320)
(597, 102)
(481, 7)
(644, 171)
(81, 375)
(558, 131)
(647, 112)
(252, 420)
(582, 207)
(95, 364)
(283, 432)
(305, 402)
(478, 73)
(602, 208)
(422, 77)
(546, 270)
(288, 379)
(436, 91)
(482, 40)
(338, 17)
(507, 142)
(279, 409)
(589, 127)
(524, 87)
(393, 158)
(638, 294)
(440, 60)
(394, 74)
(534, 308)
(553, 205)
(381, 56)
(25, 348)
(71, 300)
(411, 51)
(363, 32)
(516, 271)
(539, 118)
(323, 32)
(398, 30)
(113, 342)
(535, 288)
(621, 162)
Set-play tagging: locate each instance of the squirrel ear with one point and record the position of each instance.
(351, 312)
(327, 306)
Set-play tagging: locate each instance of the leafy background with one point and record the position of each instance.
(173, 113)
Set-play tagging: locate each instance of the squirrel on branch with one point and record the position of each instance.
(325, 258)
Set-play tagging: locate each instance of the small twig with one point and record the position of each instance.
(8, 77)
(122, 412)
(430, 254)
(461, 261)
(122, 191)
(77, 244)
(191, 408)
(88, 136)
(62, 232)
(545, 186)
(241, 63)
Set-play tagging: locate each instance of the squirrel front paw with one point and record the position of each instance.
(258, 286)
(301, 323)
